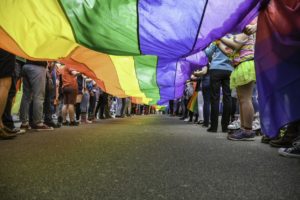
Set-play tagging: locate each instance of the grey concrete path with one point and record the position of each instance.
(145, 157)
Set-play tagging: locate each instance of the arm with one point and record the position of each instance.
(235, 42)
(194, 78)
(202, 72)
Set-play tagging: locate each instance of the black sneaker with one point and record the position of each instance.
(225, 130)
(212, 130)
(265, 139)
(74, 123)
(284, 141)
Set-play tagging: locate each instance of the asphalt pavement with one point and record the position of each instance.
(143, 158)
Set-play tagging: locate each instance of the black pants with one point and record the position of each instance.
(218, 79)
(171, 107)
(123, 106)
(92, 105)
(102, 102)
(206, 106)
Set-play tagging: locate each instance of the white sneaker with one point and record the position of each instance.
(235, 125)
(256, 125)
(186, 119)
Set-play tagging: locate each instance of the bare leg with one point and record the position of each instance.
(5, 84)
(246, 106)
(65, 112)
(71, 112)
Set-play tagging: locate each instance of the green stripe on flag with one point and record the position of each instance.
(145, 67)
(108, 26)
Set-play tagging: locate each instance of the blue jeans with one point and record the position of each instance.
(85, 102)
(34, 83)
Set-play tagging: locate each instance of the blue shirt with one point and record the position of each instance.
(218, 60)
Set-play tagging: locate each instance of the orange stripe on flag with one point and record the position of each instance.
(101, 65)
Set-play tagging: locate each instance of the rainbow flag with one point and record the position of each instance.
(193, 103)
(138, 48)
(278, 64)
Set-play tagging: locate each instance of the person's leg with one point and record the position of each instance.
(5, 84)
(246, 107)
(206, 107)
(77, 105)
(200, 106)
(91, 108)
(71, 112)
(244, 93)
(226, 101)
(97, 109)
(26, 99)
(123, 107)
(107, 106)
(71, 107)
(37, 79)
(6, 117)
(102, 104)
(129, 107)
(191, 115)
(77, 111)
(233, 108)
(254, 99)
(84, 106)
(171, 106)
(215, 84)
(65, 106)
(60, 108)
(47, 104)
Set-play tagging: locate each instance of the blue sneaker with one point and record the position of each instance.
(242, 135)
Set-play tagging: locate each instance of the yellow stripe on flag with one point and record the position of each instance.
(127, 76)
(50, 35)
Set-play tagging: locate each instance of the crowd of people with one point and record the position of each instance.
(54, 95)
(227, 87)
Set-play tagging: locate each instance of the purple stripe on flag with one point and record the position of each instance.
(183, 73)
(169, 28)
(165, 75)
(220, 19)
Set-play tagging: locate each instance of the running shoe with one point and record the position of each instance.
(235, 125)
(42, 127)
(242, 135)
(256, 125)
